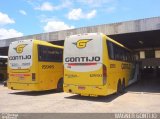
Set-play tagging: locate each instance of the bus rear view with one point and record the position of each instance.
(20, 64)
(84, 72)
(35, 65)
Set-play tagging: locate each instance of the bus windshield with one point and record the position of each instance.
(20, 54)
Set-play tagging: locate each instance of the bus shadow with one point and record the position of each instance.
(36, 93)
(106, 99)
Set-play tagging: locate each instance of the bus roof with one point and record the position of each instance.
(46, 43)
(41, 42)
(119, 44)
(102, 34)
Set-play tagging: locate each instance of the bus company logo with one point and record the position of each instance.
(19, 48)
(82, 43)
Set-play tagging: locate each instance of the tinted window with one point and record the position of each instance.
(116, 52)
(49, 54)
(110, 50)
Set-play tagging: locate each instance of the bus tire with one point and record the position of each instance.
(123, 86)
(119, 87)
(60, 85)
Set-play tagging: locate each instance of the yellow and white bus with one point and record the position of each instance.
(96, 65)
(35, 65)
(3, 68)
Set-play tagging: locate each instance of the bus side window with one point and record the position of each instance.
(110, 50)
(49, 54)
(42, 53)
(55, 54)
(117, 52)
(39, 53)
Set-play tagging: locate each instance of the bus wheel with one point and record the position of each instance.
(60, 85)
(119, 87)
(123, 86)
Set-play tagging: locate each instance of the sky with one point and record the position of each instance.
(27, 17)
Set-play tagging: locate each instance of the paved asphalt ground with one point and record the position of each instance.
(143, 96)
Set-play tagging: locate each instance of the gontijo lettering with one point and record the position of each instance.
(21, 57)
(82, 59)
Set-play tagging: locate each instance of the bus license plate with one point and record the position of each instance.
(81, 87)
(21, 78)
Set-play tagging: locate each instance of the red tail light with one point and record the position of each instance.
(33, 76)
(104, 74)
